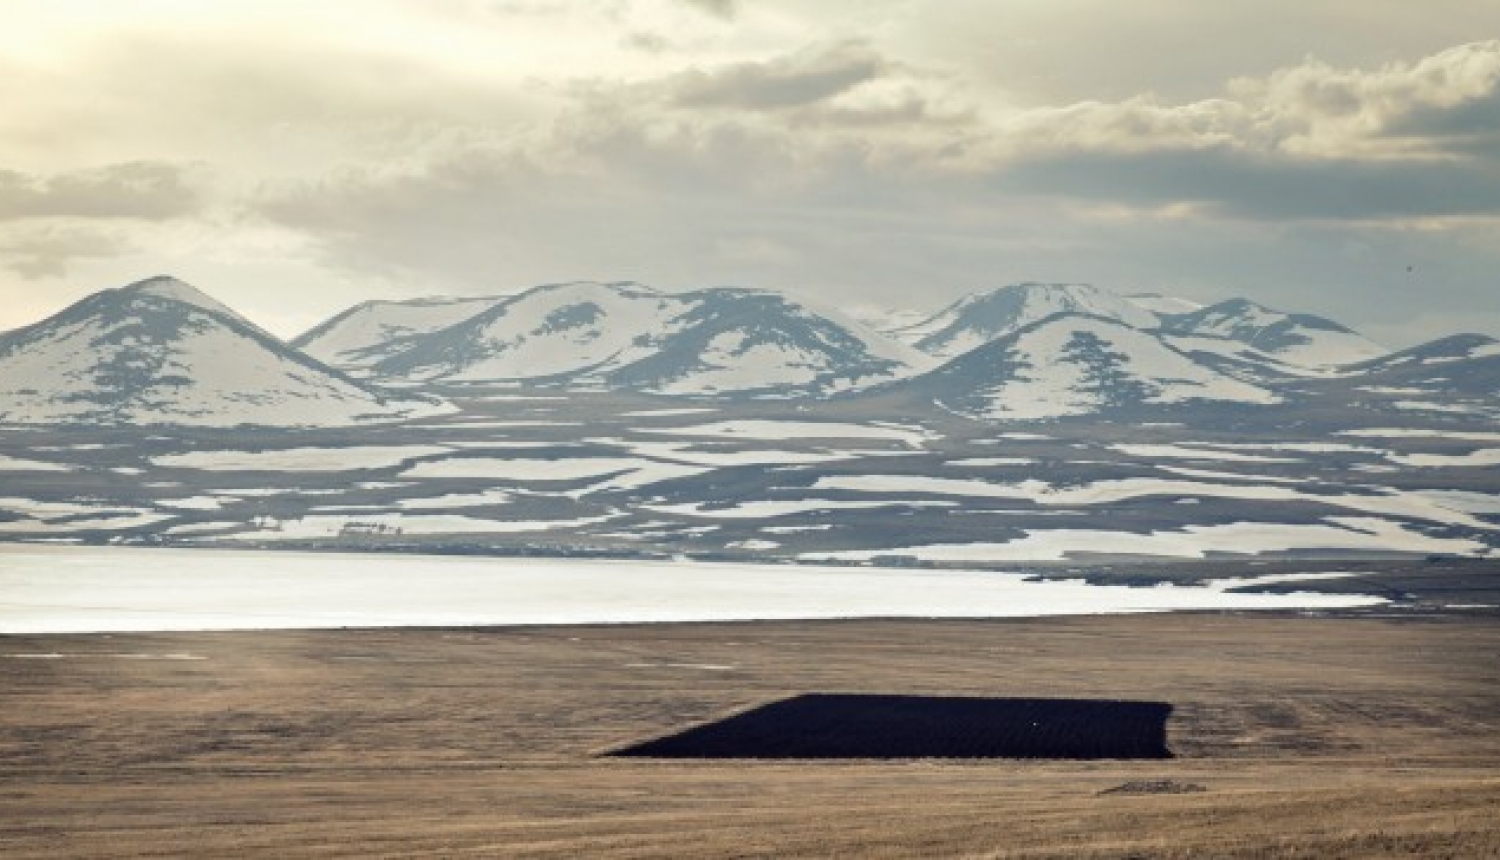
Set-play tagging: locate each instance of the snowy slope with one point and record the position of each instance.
(161, 352)
(371, 331)
(630, 336)
(1447, 350)
(753, 341)
(1162, 305)
(1069, 365)
(1300, 339)
(1463, 365)
(548, 331)
(980, 318)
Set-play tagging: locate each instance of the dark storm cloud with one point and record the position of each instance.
(1471, 128)
(150, 191)
(1234, 183)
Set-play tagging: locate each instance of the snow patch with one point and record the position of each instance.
(301, 459)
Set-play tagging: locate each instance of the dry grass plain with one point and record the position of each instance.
(1310, 737)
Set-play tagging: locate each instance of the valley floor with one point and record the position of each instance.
(1308, 737)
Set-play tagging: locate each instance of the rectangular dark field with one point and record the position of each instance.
(851, 726)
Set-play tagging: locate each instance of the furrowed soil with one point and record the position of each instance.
(1293, 736)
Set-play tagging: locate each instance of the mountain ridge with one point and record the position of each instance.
(161, 351)
(148, 343)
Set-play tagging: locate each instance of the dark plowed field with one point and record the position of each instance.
(822, 726)
(1292, 737)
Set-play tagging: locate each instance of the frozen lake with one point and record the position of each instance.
(67, 589)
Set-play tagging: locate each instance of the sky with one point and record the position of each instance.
(1338, 157)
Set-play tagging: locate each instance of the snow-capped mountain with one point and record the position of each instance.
(161, 352)
(625, 335)
(982, 317)
(1299, 339)
(371, 331)
(1072, 365)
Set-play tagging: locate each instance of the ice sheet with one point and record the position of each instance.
(58, 589)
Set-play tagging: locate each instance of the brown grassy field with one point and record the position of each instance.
(1309, 737)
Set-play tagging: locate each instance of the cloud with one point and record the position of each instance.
(1405, 141)
(143, 190)
(1397, 111)
(725, 9)
(772, 146)
(792, 80)
(1312, 110)
(866, 184)
(46, 250)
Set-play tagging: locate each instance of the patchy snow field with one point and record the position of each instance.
(1181, 452)
(1436, 509)
(319, 526)
(300, 459)
(1481, 457)
(1244, 538)
(784, 507)
(623, 473)
(1421, 433)
(58, 589)
(18, 464)
(769, 430)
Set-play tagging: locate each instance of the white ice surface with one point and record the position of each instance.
(57, 589)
